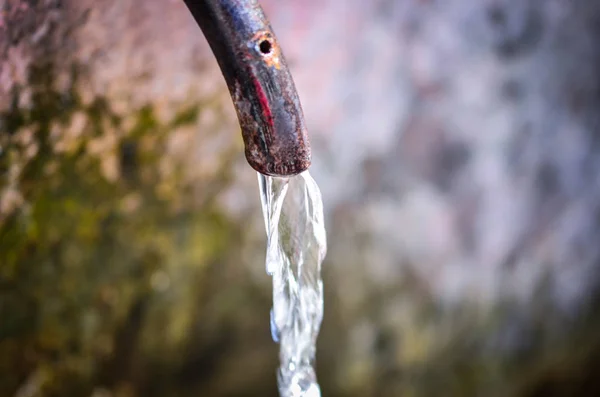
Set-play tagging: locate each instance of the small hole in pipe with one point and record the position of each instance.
(265, 47)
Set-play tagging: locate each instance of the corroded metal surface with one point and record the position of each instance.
(259, 82)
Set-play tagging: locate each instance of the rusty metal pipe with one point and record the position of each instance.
(261, 86)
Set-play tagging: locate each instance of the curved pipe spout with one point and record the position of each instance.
(260, 84)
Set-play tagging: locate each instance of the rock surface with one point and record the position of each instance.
(456, 145)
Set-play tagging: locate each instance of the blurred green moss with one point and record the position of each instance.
(84, 254)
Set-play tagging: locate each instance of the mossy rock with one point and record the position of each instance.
(101, 265)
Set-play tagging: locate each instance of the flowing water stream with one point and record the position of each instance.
(296, 246)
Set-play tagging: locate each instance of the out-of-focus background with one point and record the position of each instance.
(456, 144)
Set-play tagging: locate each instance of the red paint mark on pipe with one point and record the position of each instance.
(264, 104)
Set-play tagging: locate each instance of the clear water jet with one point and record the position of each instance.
(296, 247)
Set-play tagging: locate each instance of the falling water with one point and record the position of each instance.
(296, 246)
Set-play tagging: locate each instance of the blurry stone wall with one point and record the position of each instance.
(456, 145)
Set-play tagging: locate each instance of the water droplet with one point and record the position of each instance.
(274, 330)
